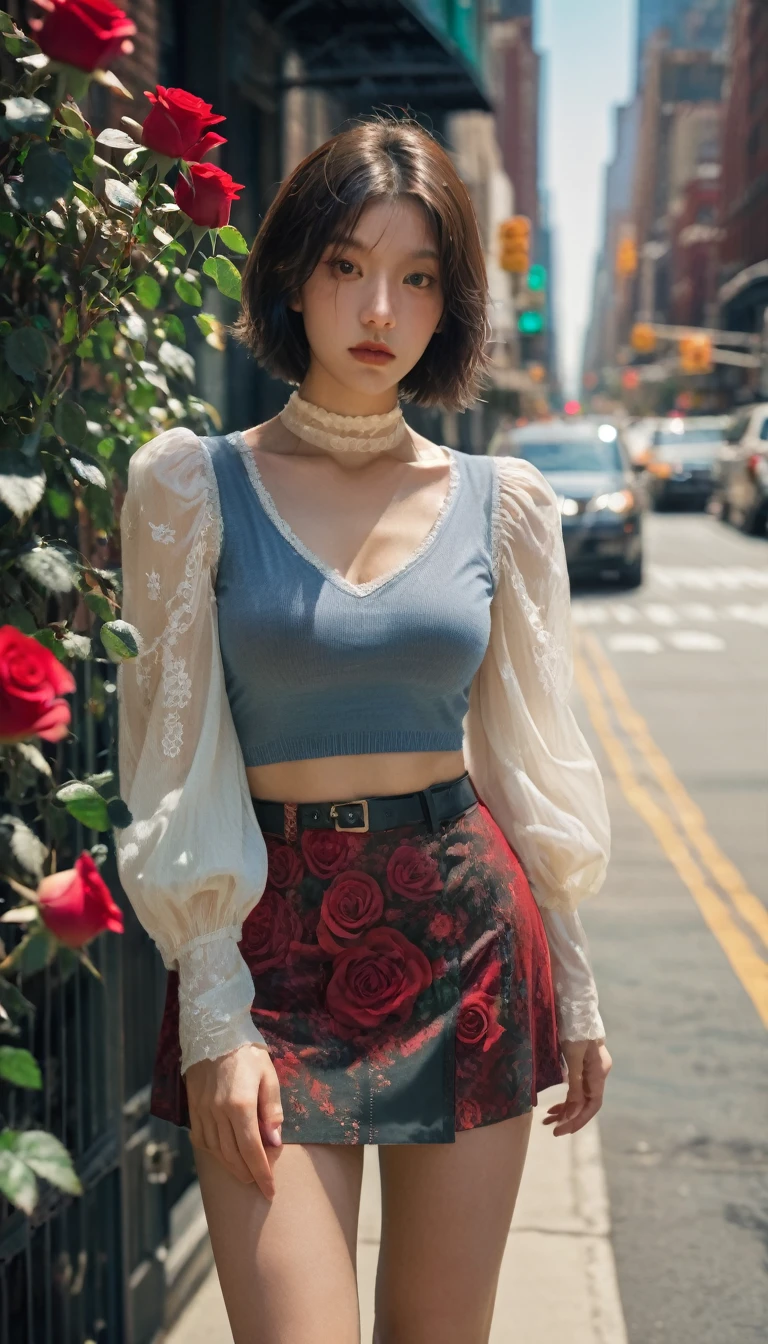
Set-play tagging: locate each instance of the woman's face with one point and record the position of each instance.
(372, 304)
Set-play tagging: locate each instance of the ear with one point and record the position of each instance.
(295, 303)
(441, 324)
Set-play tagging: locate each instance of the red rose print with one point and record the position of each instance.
(468, 1115)
(329, 852)
(412, 873)
(268, 932)
(285, 868)
(32, 680)
(379, 978)
(478, 1021)
(441, 926)
(352, 903)
(76, 904)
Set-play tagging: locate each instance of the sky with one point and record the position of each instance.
(589, 66)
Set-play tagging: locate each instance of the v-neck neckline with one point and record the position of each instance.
(332, 575)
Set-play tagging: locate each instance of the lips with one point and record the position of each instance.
(372, 352)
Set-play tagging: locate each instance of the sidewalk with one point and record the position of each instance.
(558, 1279)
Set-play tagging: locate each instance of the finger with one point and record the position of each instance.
(209, 1131)
(251, 1149)
(230, 1153)
(269, 1108)
(578, 1122)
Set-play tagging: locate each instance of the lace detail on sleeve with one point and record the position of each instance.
(578, 1017)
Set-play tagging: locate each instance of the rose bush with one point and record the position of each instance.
(98, 306)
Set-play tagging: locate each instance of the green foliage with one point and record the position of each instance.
(98, 284)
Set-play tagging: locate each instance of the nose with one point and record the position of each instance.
(378, 308)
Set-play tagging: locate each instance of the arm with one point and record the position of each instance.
(526, 754)
(193, 861)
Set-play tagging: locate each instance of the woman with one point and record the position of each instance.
(347, 751)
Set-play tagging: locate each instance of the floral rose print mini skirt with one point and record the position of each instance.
(402, 983)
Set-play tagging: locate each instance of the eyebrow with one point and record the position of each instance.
(424, 253)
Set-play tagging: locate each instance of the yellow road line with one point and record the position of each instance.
(750, 968)
(691, 818)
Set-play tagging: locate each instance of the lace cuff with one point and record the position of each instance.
(578, 1018)
(215, 997)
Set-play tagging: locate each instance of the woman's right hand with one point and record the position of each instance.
(234, 1101)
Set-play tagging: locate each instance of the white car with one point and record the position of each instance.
(741, 471)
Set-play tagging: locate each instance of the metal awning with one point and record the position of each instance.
(373, 52)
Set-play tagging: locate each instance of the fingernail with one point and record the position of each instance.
(276, 1136)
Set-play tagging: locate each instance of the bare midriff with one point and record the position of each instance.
(339, 779)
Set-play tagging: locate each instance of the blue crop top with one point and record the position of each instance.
(316, 666)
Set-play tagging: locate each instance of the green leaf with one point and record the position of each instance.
(120, 640)
(78, 646)
(6, 23)
(147, 291)
(105, 448)
(69, 325)
(27, 115)
(71, 116)
(27, 352)
(33, 953)
(11, 389)
(205, 322)
(225, 276)
(22, 483)
(33, 757)
(174, 329)
(85, 349)
(47, 177)
(14, 1002)
(19, 1067)
(234, 240)
(59, 502)
(85, 805)
(49, 567)
(70, 422)
(88, 472)
(100, 780)
(77, 145)
(99, 604)
(20, 848)
(116, 139)
(48, 1158)
(17, 1182)
(189, 292)
(122, 195)
(118, 813)
(177, 361)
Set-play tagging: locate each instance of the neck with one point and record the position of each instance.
(326, 393)
(345, 435)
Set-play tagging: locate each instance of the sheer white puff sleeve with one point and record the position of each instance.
(526, 754)
(193, 861)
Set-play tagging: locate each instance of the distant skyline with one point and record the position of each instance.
(589, 51)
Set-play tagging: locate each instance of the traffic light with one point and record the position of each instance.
(530, 322)
(643, 338)
(515, 244)
(696, 354)
(537, 277)
(626, 257)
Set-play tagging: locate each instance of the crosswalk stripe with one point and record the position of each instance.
(696, 641)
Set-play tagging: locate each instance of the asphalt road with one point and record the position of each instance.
(673, 692)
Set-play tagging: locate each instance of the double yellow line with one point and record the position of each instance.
(680, 828)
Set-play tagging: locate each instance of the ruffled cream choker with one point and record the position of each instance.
(343, 433)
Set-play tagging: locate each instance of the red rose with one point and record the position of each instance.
(328, 852)
(284, 867)
(31, 680)
(84, 33)
(353, 902)
(268, 932)
(441, 926)
(379, 978)
(208, 200)
(412, 873)
(478, 1020)
(177, 124)
(76, 905)
(468, 1115)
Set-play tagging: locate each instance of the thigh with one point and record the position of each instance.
(446, 1213)
(288, 1270)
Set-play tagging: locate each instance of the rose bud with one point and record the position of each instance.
(76, 905)
(177, 125)
(208, 200)
(87, 34)
(31, 681)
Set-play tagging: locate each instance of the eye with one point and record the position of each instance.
(419, 280)
(342, 266)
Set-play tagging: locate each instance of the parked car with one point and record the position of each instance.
(741, 472)
(588, 466)
(681, 459)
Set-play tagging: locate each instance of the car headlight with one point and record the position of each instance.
(569, 507)
(618, 501)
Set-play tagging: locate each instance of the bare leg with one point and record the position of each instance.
(288, 1270)
(446, 1213)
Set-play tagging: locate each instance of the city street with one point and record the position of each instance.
(673, 681)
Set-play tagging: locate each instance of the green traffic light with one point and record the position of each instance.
(537, 277)
(530, 323)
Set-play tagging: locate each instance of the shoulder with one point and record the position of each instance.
(176, 462)
(523, 492)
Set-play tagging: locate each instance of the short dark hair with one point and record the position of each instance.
(321, 200)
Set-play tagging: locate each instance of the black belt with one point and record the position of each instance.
(431, 806)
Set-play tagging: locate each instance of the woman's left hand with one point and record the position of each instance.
(589, 1064)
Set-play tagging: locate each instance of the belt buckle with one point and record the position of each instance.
(353, 802)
